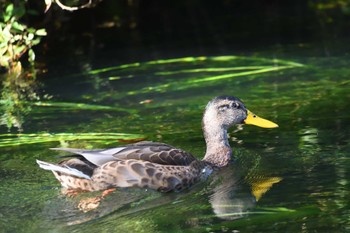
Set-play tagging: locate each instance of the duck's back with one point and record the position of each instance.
(154, 152)
(144, 164)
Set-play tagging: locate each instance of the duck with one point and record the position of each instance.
(156, 165)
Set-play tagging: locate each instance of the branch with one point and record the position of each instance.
(89, 4)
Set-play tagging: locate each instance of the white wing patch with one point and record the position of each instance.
(66, 169)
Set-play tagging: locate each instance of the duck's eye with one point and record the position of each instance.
(236, 105)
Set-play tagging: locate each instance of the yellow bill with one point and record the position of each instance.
(253, 119)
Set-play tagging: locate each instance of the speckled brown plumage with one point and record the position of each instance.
(151, 164)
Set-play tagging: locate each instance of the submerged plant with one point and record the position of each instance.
(24, 139)
(17, 89)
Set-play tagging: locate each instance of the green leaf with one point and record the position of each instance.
(8, 12)
(18, 26)
(35, 41)
(41, 32)
(30, 37)
(4, 38)
(4, 61)
(17, 37)
(6, 35)
(9, 9)
(31, 56)
(3, 47)
(31, 30)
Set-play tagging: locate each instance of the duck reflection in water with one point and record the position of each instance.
(235, 194)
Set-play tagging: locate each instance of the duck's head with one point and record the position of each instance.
(226, 111)
(221, 113)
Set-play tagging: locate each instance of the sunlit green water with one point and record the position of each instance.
(305, 159)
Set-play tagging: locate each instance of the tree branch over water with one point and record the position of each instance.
(89, 4)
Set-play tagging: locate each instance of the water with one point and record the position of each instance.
(291, 179)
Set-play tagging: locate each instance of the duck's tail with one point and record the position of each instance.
(65, 169)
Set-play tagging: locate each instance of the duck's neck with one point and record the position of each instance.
(218, 148)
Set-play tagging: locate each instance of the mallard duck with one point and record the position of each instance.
(156, 165)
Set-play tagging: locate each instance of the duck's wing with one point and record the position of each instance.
(153, 152)
(67, 169)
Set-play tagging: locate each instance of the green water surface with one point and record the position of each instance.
(302, 165)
